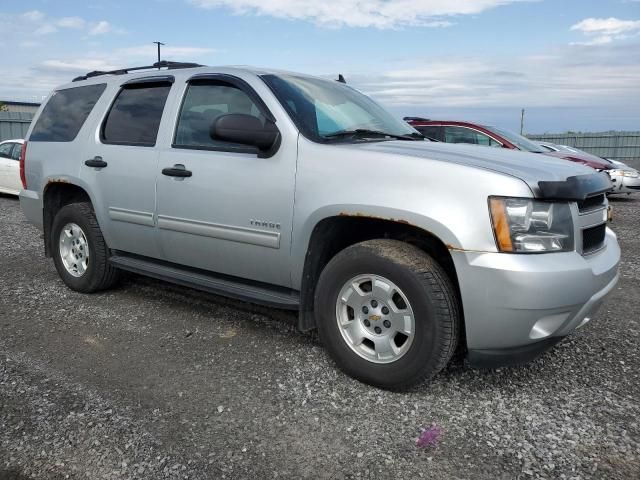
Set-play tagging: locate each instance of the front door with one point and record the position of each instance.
(233, 214)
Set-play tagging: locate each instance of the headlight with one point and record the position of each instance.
(524, 225)
(625, 173)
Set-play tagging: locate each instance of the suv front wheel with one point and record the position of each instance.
(79, 251)
(387, 313)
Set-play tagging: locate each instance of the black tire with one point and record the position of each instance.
(99, 275)
(430, 293)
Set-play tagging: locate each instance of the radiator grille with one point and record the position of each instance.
(591, 203)
(593, 238)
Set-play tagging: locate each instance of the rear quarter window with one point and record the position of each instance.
(65, 113)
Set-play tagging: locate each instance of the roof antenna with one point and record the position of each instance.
(341, 79)
(158, 44)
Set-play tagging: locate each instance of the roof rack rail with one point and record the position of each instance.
(163, 64)
(416, 119)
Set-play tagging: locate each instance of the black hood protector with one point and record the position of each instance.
(575, 188)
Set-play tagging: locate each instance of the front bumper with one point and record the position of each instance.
(517, 305)
(625, 184)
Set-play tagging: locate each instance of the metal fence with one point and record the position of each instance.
(621, 146)
(14, 124)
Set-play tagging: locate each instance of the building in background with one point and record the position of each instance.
(20, 107)
(15, 118)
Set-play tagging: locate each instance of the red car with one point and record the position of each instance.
(467, 132)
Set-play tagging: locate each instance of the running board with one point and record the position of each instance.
(202, 280)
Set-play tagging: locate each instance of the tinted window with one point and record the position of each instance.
(65, 113)
(467, 135)
(5, 150)
(432, 131)
(203, 103)
(135, 115)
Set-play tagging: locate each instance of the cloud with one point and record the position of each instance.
(603, 75)
(71, 22)
(118, 58)
(570, 76)
(33, 16)
(100, 28)
(76, 66)
(45, 29)
(29, 44)
(605, 30)
(36, 23)
(34, 82)
(606, 26)
(381, 14)
(168, 52)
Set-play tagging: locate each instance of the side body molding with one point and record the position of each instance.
(252, 236)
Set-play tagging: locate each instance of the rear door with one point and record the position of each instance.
(121, 164)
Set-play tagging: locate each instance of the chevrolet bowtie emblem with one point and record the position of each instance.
(375, 318)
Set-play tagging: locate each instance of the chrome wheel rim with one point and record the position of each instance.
(74, 250)
(375, 318)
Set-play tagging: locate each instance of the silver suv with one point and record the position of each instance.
(304, 194)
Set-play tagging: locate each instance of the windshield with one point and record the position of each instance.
(548, 148)
(330, 111)
(518, 140)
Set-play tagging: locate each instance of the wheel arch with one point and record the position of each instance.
(57, 193)
(344, 227)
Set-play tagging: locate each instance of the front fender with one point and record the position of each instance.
(301, 240)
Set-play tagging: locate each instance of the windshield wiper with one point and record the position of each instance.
(364, 132)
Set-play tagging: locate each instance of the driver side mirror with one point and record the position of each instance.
(245, 129)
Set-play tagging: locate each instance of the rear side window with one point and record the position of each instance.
(134, 118)
(65, 113)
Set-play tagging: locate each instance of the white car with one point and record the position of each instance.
(10, 166)
(625, 178)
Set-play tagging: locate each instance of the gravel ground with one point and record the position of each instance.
(155, 381)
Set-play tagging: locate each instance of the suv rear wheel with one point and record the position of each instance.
(387, 313)
(79, 251)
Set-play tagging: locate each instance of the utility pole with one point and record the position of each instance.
(521, 121)
(158, 44)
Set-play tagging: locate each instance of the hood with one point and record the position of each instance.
(620, 165)
(532, 168)
(583, 158)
